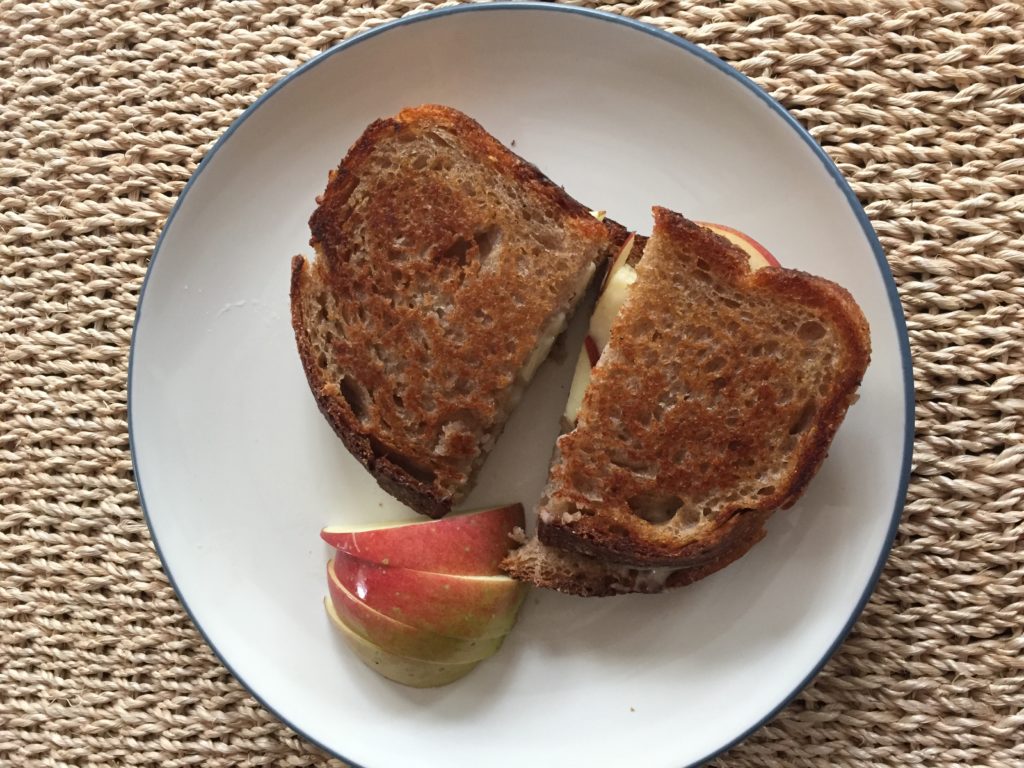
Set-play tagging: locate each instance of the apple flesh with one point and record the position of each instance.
(401, 669)
(402, 639)
(467, 607)
(472, 544)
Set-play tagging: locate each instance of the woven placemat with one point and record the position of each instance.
(107, 107)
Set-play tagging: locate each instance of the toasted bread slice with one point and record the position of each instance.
(713, 405)
(445, 267)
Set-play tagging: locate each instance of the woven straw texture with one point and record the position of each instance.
(107, 107)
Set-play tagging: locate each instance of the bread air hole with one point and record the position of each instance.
(457, 253)
(656, 509)
(714, 364)
(620, 458)
(487, 243)
(410, 466)
(438, 139)
(765, 349)
(803, 419)
(483, 318)
(811, 331)
(549, 240)
(689, 517)
(415, 470)
(461, 386)
(355, 396)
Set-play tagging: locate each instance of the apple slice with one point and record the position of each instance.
(619, 261)
(467, 607)
(401, 669)
(758, 255)
(471, 544)
(402, 639)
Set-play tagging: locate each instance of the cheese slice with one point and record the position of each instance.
(556, 325)
(607, 308)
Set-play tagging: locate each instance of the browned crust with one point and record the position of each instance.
(471, 133)
(740, 530)
(432, 498)
(637, 251)
(584, 576)
(617, 233)
(634, 542)
(851, 325)
(617, 237)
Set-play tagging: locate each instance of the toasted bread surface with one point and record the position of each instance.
(443, 261)
(713, 405)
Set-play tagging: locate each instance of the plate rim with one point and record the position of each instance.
(707, 57)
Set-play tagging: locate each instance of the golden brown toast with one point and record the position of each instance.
(713, 405)
(445, 266)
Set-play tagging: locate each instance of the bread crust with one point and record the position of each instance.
(716, 549)
(572, 573)
(587, 507)
(471, 133)
(419, 230)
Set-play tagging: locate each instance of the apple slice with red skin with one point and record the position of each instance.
(402, 639)
(758, 255)
(472, 544)
(469, 607)
(401, 669)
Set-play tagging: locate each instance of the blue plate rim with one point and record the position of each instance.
(709, 58)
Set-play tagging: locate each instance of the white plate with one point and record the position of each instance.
(239, 471)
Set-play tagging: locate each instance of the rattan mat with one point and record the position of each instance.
(107, 107)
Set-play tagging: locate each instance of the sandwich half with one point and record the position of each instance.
(445, 268)
(712, 405)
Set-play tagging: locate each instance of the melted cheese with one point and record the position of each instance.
(610, 303)
(553, 329)
(580, 380)
(607, 308)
